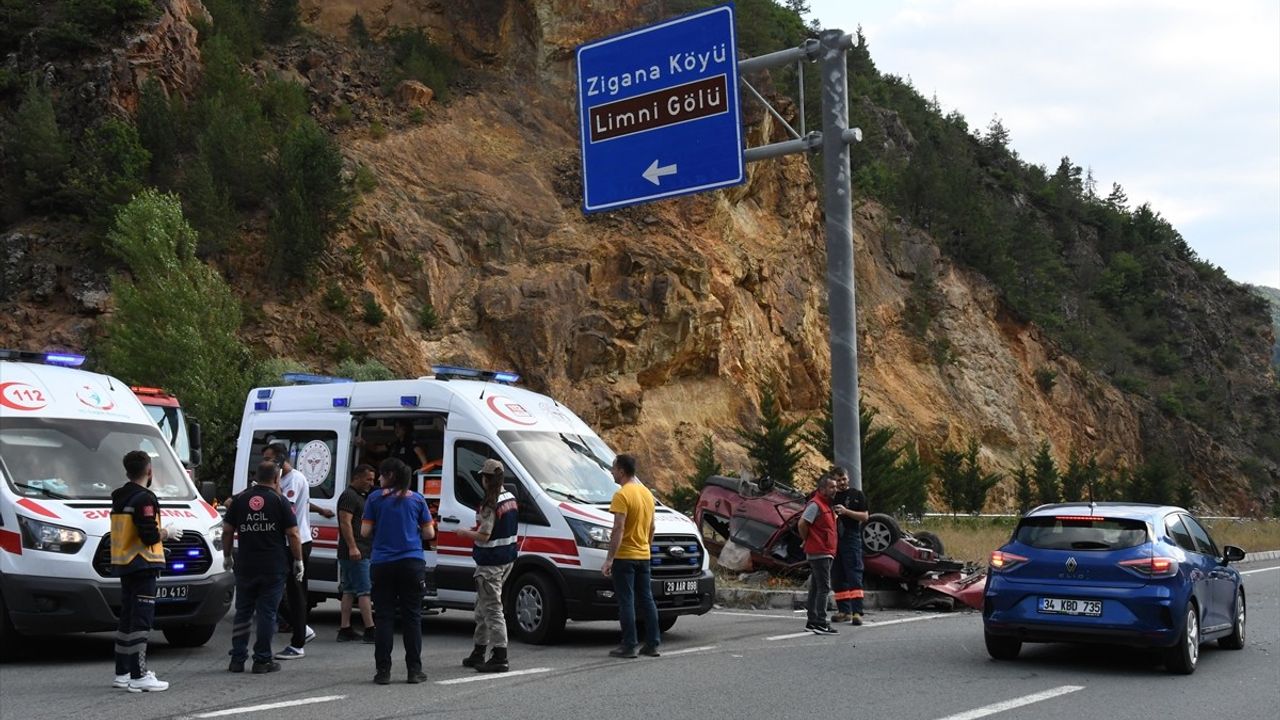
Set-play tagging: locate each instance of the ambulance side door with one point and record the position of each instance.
(461, 493)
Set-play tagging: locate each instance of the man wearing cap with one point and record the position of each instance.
(497, 520)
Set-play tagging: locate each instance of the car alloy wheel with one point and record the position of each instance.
(1193, 635)
(529, 608)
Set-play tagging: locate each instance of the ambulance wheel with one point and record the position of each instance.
(8, 635)
(535, 610)
(189, 636)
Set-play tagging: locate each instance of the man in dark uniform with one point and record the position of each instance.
(267, 536)
(846, 577)
(137, 557)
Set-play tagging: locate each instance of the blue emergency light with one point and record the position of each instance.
(342, 402)
(452, 372)
(177, 567)
(265, 393)
(262, 406)
(70, 360)
(408, 401)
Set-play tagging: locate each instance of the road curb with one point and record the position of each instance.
(761, 599)
(745, 598)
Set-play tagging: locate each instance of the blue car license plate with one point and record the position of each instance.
(1070, 606)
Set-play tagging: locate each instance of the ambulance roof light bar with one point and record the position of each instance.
(311, 379)
(453, 372)
(70, 360)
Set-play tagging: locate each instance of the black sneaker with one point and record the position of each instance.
(415, 677)
(810, 626)
(347, 634)
(649, 651)
(370, 636)
(823, 630)
(270, 666)
(625, 651)
(382, 677)
(235, 666)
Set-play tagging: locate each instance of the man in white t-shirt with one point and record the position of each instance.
(296, 606)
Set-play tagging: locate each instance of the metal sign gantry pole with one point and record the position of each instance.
(830, 50)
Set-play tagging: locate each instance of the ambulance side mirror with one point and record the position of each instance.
(195, 441)
(208, 491)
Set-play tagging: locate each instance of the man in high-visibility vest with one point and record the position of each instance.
(137, 557)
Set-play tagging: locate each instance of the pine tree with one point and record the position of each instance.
(1118, 200)
(1074, 480)
(772, 443)
(280, 19)
(158, 130)
(1024, 490)
(684, 496)
(950, 473)
(975, 484)
(111, 166)
(1045, 472)
(37, 152)
(912, 475)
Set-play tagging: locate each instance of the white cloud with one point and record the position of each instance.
(1178, 101)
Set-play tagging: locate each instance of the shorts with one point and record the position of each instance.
(353, 577)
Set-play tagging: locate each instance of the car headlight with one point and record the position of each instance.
(215, 537)
(37, 535)
(589, 534)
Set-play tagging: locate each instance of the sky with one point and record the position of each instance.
(1177, 101)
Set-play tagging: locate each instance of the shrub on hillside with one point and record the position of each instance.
(36, 152)
(312, 197)
(415, 57)
(111, 166)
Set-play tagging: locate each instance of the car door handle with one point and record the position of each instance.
(452, 520)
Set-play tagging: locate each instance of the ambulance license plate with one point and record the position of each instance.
(172, 593)
(680, 587)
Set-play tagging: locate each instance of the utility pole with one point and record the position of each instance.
(830, 50)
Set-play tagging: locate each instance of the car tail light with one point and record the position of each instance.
(1002, 561)
(1151, 567)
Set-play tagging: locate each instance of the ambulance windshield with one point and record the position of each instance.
(76, 460)
(569, 466)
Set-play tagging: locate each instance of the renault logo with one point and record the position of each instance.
(676, 552)
(1071, 564)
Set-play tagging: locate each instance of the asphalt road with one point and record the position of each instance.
(728, 664)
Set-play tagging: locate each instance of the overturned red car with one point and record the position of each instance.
(742, 516)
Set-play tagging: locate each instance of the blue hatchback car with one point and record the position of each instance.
(1119, 573)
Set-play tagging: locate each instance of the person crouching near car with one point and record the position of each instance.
(137, 557)
(497, 521)
(818, 529)
(353, 556)
(398, 520)
(266, 538)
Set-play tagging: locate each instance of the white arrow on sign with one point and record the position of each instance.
(656, 172)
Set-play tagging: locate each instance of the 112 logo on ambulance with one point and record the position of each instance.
(21, 396)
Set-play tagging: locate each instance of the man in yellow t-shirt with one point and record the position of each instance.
(628, 560)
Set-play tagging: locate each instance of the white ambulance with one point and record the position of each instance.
(459, 418)
(63, 435)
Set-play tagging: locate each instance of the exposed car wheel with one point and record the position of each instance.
(931, 541)
(1235, 641)
(189, 636)
(535, 611)
(1000, 647)
(879, 532)
(9, 637)
(1183, 656)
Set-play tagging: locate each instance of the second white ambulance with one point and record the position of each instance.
(459, 418)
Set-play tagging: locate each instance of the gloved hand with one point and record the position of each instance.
(229, 562)
(171, 533)
(299, 570)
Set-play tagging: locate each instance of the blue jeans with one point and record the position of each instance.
(260, 595)
(631, 583)
(846, 573)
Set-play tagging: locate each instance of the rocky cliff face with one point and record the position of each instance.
(657, 324)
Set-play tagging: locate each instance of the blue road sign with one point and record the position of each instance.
(658, 110)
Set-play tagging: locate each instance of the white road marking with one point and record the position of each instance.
(1014, 703)
(493, 676)
(270, 706)
(757, 616)
(899, 621)
(1250, 572)
(789, 636)
(686, 651)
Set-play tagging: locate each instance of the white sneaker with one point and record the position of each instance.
(311, 635)
(121, 682)
(291, 653)
(148, 683)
